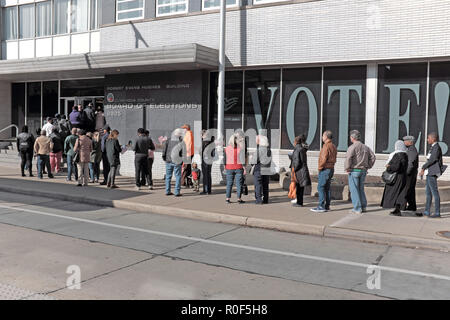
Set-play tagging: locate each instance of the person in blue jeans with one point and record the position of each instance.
(359, 159)
(327, 159)
(174, 152)
(433, 168)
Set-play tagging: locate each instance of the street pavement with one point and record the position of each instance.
(125, 254)
(374, 226)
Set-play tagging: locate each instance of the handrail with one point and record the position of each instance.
(9, 127)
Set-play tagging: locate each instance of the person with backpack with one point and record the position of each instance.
(57, 150)
(25, 143)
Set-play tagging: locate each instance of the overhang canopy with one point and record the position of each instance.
(166, 58)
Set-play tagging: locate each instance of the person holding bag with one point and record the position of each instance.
(394, 195)
(299, 169)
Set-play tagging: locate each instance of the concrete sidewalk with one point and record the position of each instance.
(374, 226)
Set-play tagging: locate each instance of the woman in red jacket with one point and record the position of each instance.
(234, 159)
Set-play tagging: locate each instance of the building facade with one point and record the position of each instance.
(297, 66)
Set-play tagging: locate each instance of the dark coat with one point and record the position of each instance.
(113, 150)
(96, 154)
(57, 142)
(434, 163)
(300, 165)
(396, 194)
(413, 160)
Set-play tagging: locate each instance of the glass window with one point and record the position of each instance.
(301, 106)
(34, 117)
(168, 7)
(130, 9)
(80, 15)
(18, 104)
(233, 100)
(344, 103)
(84, 87)
(26, 19)
(43, 19)
(439, 102)
(61, 14)
(10, 23)
(214, 4)
(94, 15)
(262, 103)
(401, 104)
(50, 98)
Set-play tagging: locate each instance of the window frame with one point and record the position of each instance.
(36, 20)
(172, 4)
(236, 5)
(258, 2)
(129, 10)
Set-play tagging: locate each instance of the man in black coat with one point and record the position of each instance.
(141, 147)
(433, 169)
(411, 173)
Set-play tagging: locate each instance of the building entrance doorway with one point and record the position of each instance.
(66, 104)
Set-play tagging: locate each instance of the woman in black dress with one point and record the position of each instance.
(300, 165)
(394, 195)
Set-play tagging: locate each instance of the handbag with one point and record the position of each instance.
(389, 178)
(293, 186)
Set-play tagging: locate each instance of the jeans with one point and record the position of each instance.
(94, 171)
(26, 157)
(43, 161)
(432, 192)
(234, 175)
(207, 181)
(172, 168)
(55, 161)
(106, 166)
(111, 175)
(261, 185)
(71, 167)
(356, 184)
(324, 188)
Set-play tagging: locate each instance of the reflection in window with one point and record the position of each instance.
(214, 4)
(168, 7)
(43, 19)
(130, 9)
(26, 18)
(94, 15)
(10, 23)
(61, 16)
(80, 15)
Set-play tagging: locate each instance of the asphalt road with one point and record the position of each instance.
(52, 249)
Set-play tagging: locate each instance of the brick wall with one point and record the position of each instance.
(318, 31)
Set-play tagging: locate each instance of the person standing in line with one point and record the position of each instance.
(394, 195)
(105, 162)
(84, 147)
(69, 145)
(74, 117)
(196, 174)
(96, 157)
(411, 174)
(141, 147)
(299, 163)
(48, 127)
(234, 160)
(89, 113)
(187, 167)
(150, 159)
(25, 144)
(100, 120)
(174, 152)
(433, 169)
(261, 170)
(327, 159)
(359, 159)
(57, 151)
(42, 148)
(208, 155)
(113, 150)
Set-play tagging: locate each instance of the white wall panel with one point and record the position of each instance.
(95, 41)
(80, 43)
(61, 46)
(43, 47)
(26, 49)
(10, 50)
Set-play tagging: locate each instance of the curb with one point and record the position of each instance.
(292, 227)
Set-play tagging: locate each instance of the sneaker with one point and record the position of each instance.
(50, 176)
(363, 210)
(426, 213)
(355, 212)
(138, 188)
(241, 201)
(178, 195)
(114, 186)
(150, 188)
(318, 209)
(169, 194)
(294, 201)
(419, 214)
(228, 201)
